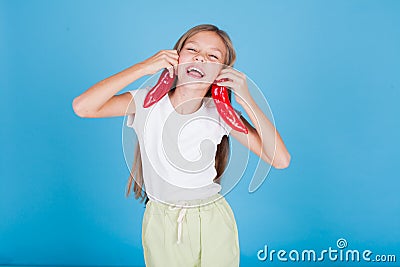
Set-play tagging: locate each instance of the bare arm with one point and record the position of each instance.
(101, 100)
(263, 139)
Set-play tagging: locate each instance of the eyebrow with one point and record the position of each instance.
(213, 48)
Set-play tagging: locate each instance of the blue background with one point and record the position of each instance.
(329, 70)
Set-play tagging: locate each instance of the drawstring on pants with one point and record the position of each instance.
(181, 215)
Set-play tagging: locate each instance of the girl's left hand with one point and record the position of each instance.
(236, 82)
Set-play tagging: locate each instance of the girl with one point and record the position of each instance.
(187, 222)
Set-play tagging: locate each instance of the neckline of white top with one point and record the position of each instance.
(190, 114)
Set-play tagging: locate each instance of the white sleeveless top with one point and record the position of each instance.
(177, 151)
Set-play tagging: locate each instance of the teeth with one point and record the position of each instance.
(195, 69)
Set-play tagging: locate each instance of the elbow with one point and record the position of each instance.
(282, 162)
(77, 107)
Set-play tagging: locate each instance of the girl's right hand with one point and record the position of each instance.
(162, 59)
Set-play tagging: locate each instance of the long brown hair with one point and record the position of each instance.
(223, 149)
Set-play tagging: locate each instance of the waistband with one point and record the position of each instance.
(186, 206)
(189, 204)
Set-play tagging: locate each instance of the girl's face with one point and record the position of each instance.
(201, 58)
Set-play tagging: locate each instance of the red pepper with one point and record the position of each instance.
(225, 109)
(219, 94)
(162, 87)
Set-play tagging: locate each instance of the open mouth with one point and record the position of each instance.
(195, 72)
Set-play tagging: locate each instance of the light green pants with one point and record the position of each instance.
(196, 233)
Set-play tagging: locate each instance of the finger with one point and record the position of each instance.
(172, 64)
(231, 71)
(226, 69)
(171, 71)
(167, 61)
(173, 51)
(229, 76)
(167, 56)
(235, 75)
(226, 84)
(173, 54)
(172, 57)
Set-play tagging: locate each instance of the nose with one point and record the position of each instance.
(199, 58)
